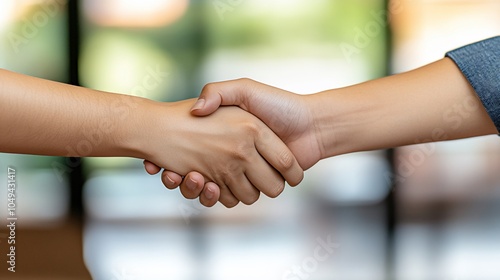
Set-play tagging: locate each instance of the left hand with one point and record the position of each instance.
(231, 147)
(289, 115)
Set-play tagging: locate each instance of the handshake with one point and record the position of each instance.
(241, 137)
(233, 154)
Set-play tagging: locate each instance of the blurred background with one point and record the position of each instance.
(416, 212)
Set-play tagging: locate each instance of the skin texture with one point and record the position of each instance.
(231, 148)
(431, 103)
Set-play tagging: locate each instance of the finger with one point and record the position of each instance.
(226, 197)
(206, 105)
(214, 95)
(170, 179)
(242, 189)
(210, 194)
(279, 156)
(192, 185)
(262, 175)
(151, 168)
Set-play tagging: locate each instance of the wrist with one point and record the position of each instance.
(342, 121)
(136, 118)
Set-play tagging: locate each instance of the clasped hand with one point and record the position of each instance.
(242, 156)
(232, 150)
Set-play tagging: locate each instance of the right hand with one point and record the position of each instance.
(231, 148)
(289, 115)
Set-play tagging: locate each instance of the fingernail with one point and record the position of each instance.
(209, 194)
(198, 104)
(191, 184)
(170, 180)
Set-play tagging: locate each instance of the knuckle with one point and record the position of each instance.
(276, 189)
(252, 128)
(242, 152)
(230, 204)
(247, 86)
(233, 168)
(228, 172)
(286, 159)
(210, 87)
(227, 199)
(298, 180)
(251, 199)
(245, 80)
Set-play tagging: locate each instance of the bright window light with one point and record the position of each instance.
(131, 13)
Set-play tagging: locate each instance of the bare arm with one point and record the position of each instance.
(49, 118)
(432, 103)
(231, 148)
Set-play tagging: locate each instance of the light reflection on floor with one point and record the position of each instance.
(301, 239)
(217, 245)
(464, 245)
(236, 251)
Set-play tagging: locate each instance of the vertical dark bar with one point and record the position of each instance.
(391, 218)
(76, 177)
(199, 36)
(388, 39)
(391, 199)
(73, 41)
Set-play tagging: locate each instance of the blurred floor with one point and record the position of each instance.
(320, 241)
(459, 241)
(253, 250)
(51, 253)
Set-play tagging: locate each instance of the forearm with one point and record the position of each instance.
(432, 103)
(49, 118)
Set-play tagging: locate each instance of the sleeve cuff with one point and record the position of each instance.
(480, 64)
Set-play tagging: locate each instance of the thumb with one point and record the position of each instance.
(206, 105)
(214, 95)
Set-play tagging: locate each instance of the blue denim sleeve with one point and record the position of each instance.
(480, 64)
